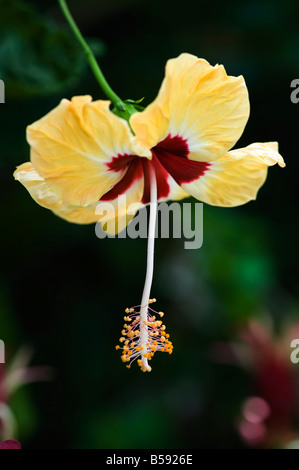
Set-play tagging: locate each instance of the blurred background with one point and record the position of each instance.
(231, 307)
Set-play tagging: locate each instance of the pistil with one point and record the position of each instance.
(144, 332)
(149, 267)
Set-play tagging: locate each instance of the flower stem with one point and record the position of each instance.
(150, 266)
(116, 100)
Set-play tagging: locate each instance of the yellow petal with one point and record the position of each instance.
(235, 178)
(266, 153)
(176, 193)
(113, 212)
(121, 211)
(167, 187)
(72, 145)
(79, 215)
(37, 187)
(117, 212)
(45, 197)
(199, 103)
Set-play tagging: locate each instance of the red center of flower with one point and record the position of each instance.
(170, 159)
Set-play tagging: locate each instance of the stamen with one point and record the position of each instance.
(151, 329)
(145, 334)
(150, 264)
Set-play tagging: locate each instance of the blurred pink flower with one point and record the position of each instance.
(267, 419)
(13, 376)
(10, 444)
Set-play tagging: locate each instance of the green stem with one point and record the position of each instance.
(116, 100)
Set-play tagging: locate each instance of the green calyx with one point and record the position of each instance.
(125, 109)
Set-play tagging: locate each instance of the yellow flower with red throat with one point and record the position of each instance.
(82, 155)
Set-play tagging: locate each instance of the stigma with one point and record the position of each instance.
(142, 338)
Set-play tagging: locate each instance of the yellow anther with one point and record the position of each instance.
(157, 339)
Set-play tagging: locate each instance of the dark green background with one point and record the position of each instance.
(63, 291)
